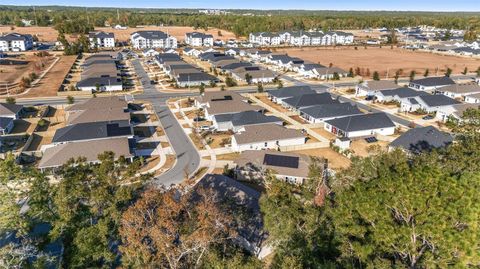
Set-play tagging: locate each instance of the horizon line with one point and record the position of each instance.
(250, 9)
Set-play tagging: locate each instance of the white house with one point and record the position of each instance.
(361, 125)
(196, 39)
(101, 40)
(460, 90)
(252, 165)
(368, 88)
(428, 103)
(152, 39)
(454, 111)
(321, 113)
(473, 99)
(16, 42)
(266, 136)
(430, 83)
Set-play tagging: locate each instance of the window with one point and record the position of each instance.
(266, 144)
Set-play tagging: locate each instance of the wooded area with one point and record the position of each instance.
(77, 20)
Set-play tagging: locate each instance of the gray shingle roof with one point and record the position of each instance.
(90, 130)
(434, 81)
(9, 109)
(362, 122)
(422, 139)
(331, 110)
(403, 92)
(101, 81)
(15, 37)
(291, 91)
(193, 77)
(310, 100)
(152, 34)
(438, 100)
(247, 118)
(4, 122)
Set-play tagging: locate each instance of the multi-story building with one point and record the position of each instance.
(16, 42)
(101, 39)
(152, 39)
(197, 39)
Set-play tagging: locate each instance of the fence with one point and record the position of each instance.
(315, 145)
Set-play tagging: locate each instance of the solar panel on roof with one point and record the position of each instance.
(281, 161)
(371, 139)
(225, 98)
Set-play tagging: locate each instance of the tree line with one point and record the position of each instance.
(80, 20)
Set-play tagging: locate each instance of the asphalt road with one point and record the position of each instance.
(188, 158)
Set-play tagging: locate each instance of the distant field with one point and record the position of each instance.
(48, 34)
(383, 59)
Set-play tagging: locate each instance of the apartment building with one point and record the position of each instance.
(101, 39)
(152, 39)
(16, 42)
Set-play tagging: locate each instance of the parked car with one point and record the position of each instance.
(428, 117)
(204, 128)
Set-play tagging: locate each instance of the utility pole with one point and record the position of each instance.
(88, 19)
(35, 15)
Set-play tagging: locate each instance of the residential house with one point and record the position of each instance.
(277, 96)
(229, 67)
(256, 74)
(10, 110)
(253, 165)
(197, 39)
(422, 139)
(427, 103)
(308, 69)
(361, 125)
(473, 98)
(16, 42)
(6, 125)
(238, 121)
(233, 51)
(460, 91)
(192, 52)
(100, 74)
(397, 95)
(324, 112)
(221, 102)
(369, 88)
(264, 39)
(431, 83)
(195, 79)
(296, 103)
(56, 156)
(266, 136)
(328, 72)
(150, 52)
(101, 39)
(90, 131)
(454, 112)
(112, 109)
(152, 39)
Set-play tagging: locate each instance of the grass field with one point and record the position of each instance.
(384, 59)
(48, 34)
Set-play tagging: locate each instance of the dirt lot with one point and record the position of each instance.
(383, 59)
(363, 149)
(13, 73)
(49, 34)
(51, 82)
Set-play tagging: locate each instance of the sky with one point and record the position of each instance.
(425, 5)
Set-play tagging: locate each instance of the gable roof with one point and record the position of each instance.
(257, 158)
(403, 92)
(331, 110)
(362, 122)
(461, 88)
(434, 81)
(9, 109)
(246, 118)
(60, 154)
(150, 34)
(266, 132)
(311, 99)
(422, 139)
(438, 100)
(90, 130)
(5, 122)
(15, 37)
(195, 77)
(100, 34)
(291, 91)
